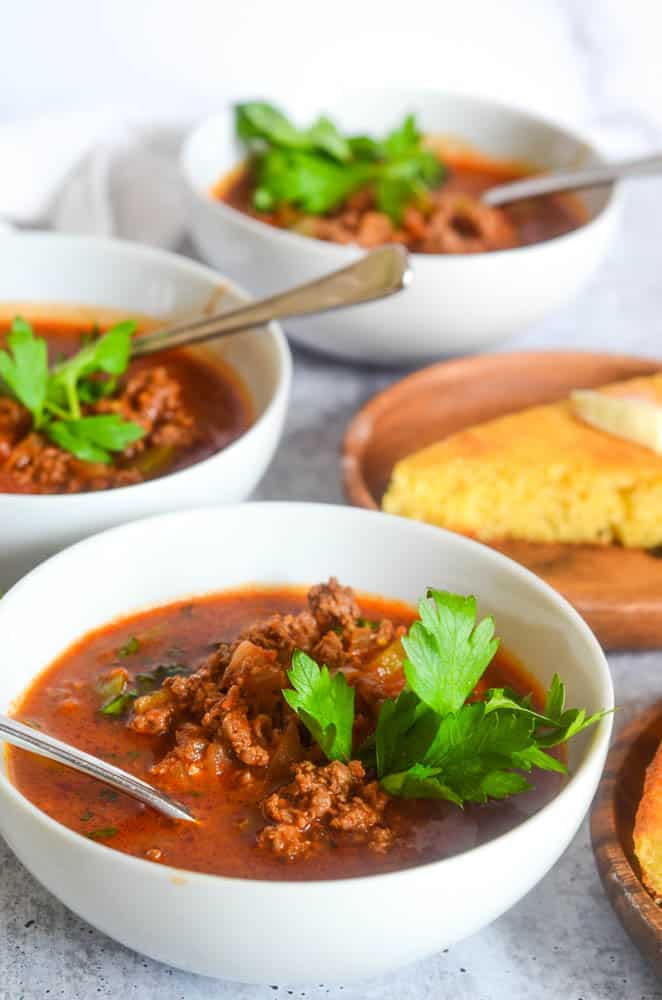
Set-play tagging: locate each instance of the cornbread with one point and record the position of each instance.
(540, 475)
(648, 828)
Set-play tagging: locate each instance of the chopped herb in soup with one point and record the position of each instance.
(317, 735)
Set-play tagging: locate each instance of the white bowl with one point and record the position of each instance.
(456, 302)
(305, 932)
(40, 269)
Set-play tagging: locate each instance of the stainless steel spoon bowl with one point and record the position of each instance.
(27, 738)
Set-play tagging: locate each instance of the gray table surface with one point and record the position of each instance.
(563, 939)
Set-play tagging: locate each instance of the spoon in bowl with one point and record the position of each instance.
(571, 180)
(375, 275)
(28, 738)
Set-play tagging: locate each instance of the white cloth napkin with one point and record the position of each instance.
(91, 174)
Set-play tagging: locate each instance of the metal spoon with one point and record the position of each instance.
(571, 180)
(37, 742)
(374, 276)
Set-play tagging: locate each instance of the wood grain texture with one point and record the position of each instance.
(617, 590)
(612, 822)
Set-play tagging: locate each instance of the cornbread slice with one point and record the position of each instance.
(648, 828)
(540, 475)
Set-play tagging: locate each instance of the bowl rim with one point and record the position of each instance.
(347, 251)
(186, 265)
(597, 746)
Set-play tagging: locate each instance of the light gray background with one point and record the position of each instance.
(596, 64)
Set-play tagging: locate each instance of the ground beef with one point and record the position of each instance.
(450, 222)
(14, 424)
(333, 606)
(321, 800)
(330, 651)
(153, 399)
(37, 466)
(193, 757)
(459, 224)
(284, 634)
(232, 709)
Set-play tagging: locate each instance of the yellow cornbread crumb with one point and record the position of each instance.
(541, 475)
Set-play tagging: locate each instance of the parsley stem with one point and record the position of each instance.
(55, 410)
(72, 399)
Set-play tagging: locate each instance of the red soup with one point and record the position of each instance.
(189, 697)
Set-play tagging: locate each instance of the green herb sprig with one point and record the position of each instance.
(55, 396)
(317, 169)
(432, 741)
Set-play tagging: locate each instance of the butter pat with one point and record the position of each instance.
(631, 419)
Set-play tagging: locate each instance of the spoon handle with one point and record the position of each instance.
(375, 275)
(572, 180)
(27, 738)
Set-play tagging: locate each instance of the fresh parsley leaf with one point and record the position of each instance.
(54, 398)
(534, 756)
(317, 169)
(91, 390)
(25, 369)
(503, 784)
(447, 653)
(555, 724)
(257, 120)
(419, 782)
(431, 741)
(312, 183)
(93, 438)
(324, 135)
(404, 139)
(396, 719)
(364, 147)
(108, 354)
(325, 705)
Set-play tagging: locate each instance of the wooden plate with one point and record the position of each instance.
(612, 822)
(617, 590)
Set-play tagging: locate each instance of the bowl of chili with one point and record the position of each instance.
(273, 202)
(90, 438)
(221, 668)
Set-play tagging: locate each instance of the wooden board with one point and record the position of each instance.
(612, 822)
(617, 590)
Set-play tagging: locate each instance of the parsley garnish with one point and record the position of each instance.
(317, 169)
(446, 652)
(54, 396)
(325, 705)
(431, 741)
